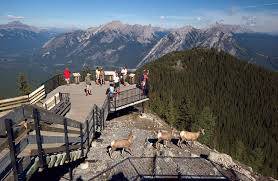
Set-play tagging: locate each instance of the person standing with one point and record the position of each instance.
(97, 75)
(67, 75)
(117, 82)
(124, 74)
(101, 76)
(144, 81)
(88, 85)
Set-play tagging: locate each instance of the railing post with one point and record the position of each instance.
(55, 101)
(11, 140)
(115, 102)
(94, 121)
(67, 146)
(81, 140)
(108, 99)
(103, 120)
(42, 159)
(88, 135)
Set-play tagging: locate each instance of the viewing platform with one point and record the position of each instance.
(81, 104)
(55, 124)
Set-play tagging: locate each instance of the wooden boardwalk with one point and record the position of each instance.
(81, 104)
(60, 128)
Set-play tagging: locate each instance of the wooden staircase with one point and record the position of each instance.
(36, 138)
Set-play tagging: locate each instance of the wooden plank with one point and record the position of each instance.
(14, 99)
(50, 117)
(52, 139)
(36, 99)
(13, 155)
(46, 127)
(131, 104)
(10, 104)
(37, 119)
(36, 91)
(33, 169)
(34, 151)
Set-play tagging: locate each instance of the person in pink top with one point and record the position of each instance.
(67, 75)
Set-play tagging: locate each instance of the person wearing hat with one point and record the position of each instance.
(88, 85)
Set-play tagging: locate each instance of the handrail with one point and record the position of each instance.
(40, 119)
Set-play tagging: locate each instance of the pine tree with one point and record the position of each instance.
(186, 114)
(207, 121)
(23, 85)
(171, 115)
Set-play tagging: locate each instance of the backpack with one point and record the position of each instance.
(107, 91)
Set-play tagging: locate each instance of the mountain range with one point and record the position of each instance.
(116, 44)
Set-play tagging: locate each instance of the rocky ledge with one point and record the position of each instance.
(99, 165)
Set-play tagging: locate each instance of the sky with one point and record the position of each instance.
(259, 15)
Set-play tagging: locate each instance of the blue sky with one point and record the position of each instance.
(257, 14)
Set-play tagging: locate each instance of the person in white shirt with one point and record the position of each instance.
(124, 74)
(117, 82)
(97, 75)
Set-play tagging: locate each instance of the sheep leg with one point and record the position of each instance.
(129, 151)
(122, 152)
(111, 150)
(179, 143)
(156, 144)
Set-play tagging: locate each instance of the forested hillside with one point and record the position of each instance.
(235, 102)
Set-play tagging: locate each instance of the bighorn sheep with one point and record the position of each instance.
(189, 136)
(124, 144)
(165, 136)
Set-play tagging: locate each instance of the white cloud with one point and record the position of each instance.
(13, 17)
(261, 21)
(162, 17)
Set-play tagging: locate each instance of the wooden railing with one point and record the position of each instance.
(127, 98)
(24, 126)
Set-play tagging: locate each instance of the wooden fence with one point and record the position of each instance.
(31, 128)
(32, 98)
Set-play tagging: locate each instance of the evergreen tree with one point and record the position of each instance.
(23, 85)
(207, 121)
(171, 115)
(186, 114)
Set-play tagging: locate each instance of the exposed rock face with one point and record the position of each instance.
(220, 37)
(222, 159)
(112, 43)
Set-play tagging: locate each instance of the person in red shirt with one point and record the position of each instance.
(67, 75)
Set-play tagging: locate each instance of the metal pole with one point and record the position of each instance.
(42, 159)
(81, 140)
(67, 147)
(11, 140)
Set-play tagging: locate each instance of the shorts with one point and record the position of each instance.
(87, 86)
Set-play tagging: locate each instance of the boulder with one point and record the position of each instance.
(221, 159)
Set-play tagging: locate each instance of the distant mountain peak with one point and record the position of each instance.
(19, 25)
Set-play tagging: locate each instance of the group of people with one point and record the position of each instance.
(114, 87)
